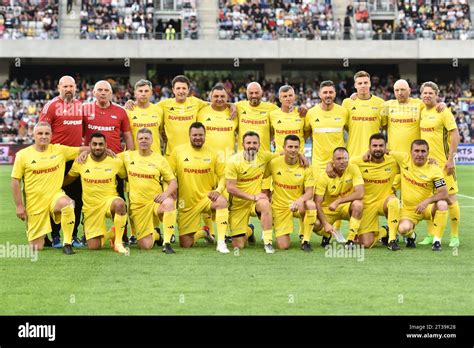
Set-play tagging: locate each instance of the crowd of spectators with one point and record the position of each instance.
(21, 102)
(437, 20)
(122, 19)
(31, 19)
(270, 20)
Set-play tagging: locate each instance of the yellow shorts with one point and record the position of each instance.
(283, 221)
(341, 213)
(189, 220)
(451, 183)
(370, 217)
(409, 214)
(40, 224)
(144, 218)
(94, 219)
(239, 215)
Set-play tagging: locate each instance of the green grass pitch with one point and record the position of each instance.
(202, 281)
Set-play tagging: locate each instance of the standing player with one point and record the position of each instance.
(439, 129)
(41, 167)
(64, 114)
(419, 180)
(148, 202)
(292, 194)
(220, 133)
(201, 183)
(111, 120)
(286, 120)
(98, 175)
(379, 200)
(146, 115)
(244, 174)
(339, 198)
(364, 115)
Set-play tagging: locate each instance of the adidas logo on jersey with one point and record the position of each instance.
(134, 117)
(208, 119)
(186, 160)
(33, 162)
(279, 173)
(133, 162)
(366, 171)
(451, 188)
(244, 113)
(171, 109)
(353, 108)
(279, 121)
(333, 187)
(172, 226)
(317, 120)
(87, 171)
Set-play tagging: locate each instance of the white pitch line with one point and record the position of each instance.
(467, 206)
(464, 196)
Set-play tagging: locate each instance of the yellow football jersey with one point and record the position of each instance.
(364, 120)
(417, 183)
(289, 181)
(334, 188)
(42, 173)
(249, 174)
(151, 118)
(255, 119)
(284, 123)
(198, 171)
(177, 117)
(145, 175)
(434, 128)
(220, 131)
(327, 128)
(378, 177)
(98, 179)
(403, 123)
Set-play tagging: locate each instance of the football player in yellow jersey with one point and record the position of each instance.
(440, 130)
(339, 198)
(41, 167)
(146, 115)
(364, 115)
(201, 183)
(419, 181)
(220, 133)
(101, 200)
(325, 122)
(149, 204)
(292, 194)
(244, 173)
(378, 172)
(286, 120)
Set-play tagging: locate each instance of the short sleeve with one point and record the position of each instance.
(19, 166)
(308, 177)
(166, 171)
(231, 170)
(69, 152)
(321, 185)
(75, 170)
(448, 120)
(125, 124)
(402, 158)
(357, 178)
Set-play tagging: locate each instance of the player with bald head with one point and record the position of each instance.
(64, 114)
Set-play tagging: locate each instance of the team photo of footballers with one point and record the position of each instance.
(200, 169)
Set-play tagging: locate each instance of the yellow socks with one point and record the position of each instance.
(337, 225)
(119, 223)
(209, 223)
(308, 224)
(439, 224)
(67, 223)
(393, 218)
(381, 233)
(454, 216)
(267, 237)
(354, 225)
(199, 234)
(169, 220)
(222, 217)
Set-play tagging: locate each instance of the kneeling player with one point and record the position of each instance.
(98, 177)
(292, 194)
(379, 172)
(198, 170)
(149, 204)
(339, 198)
(419, 179)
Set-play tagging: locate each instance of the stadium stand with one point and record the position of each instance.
(34, 19)
(21, 102)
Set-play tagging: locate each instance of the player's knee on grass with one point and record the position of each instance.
(239, 241)
(366, 240)
(94, 243)
(441, 205)
(405, 226)
(283, 242)
(145, 243)
(37, 244)
(356, 209)
(186, 241)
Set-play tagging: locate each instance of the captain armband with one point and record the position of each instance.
(439, 183)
